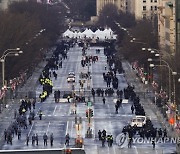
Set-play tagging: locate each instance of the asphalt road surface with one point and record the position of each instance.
(58, 119)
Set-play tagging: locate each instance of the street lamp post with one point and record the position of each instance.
(8, 52)
(3, 58)
(171, 72)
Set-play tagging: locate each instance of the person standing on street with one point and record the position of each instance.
(132, 109)
(19, 134)
(45, 138)
(33, 139)
(34, 103)
(108, 140)
(37, 139)
(153, 143)
(5, 135)
(111, 140)
(104, 100)
(40, 115)
(27, 139)
(15, 114)
(103, 139)
(51, 139)
(130, 142)
(116, 107)
(99, 134)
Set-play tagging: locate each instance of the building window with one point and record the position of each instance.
(155, 1)
(151, 1)
(144, 8)
(144, 1)
(155, 7)
(151, 8)
(144, 16)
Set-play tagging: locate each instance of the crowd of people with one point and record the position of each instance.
(103, 137)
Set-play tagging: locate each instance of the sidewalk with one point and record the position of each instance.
(150, 108)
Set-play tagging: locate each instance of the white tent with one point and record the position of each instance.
(68, 33)
(108, 33)
(99, 34)
(102, 35)
(87, 33)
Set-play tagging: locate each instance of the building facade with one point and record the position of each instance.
(142, 8)
(121, 5)
(177, 6)
(4, 3)
(167, 26)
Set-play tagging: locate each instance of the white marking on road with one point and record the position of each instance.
(54, 110)
(30, 131)
(136, 150)
(156, 151)
(72, 127)
(109, 110)
(31, 128)
(114, 150)
(59, 110)
(48, 127)
(67, 127)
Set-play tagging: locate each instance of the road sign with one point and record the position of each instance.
(89, 104)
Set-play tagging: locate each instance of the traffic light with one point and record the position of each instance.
(87, 113)
(76, 120)
(80, 120)
(90, 112)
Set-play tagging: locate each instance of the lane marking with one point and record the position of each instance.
(71, 129)
(67, 125)
(31, 128)
(48, 127)
(136, 150)
(54, 110)
(30, 131)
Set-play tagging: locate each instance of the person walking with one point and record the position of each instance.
(67, 139)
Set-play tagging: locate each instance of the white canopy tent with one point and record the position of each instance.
(68, 33)
(102, 35)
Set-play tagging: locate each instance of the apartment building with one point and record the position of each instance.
(121, 5)
(177, 9)
(142, 8)
(4, 3)
(167, 26)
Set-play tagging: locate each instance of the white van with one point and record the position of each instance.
(139, 121)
